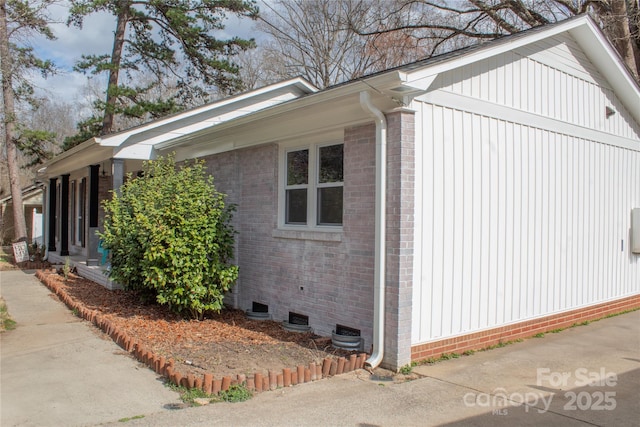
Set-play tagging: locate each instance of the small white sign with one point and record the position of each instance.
(21, 251)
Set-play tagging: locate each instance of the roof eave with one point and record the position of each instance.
(385, 84)
(87, 153)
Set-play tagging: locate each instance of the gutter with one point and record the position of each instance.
(380, 230)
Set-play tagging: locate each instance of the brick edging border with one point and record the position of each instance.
(165, 367)
(521, 330)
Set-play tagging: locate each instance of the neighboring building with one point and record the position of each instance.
(447, 204)
(32, 203)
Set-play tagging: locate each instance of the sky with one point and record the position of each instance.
(95, 37)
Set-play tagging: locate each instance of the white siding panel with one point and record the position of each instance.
(468, 173)
(448, 226)
(439, 180)
(555, 80)
(517, 222)
(456, 221)
(564, 53)
(478, 232)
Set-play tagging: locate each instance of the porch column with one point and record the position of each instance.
(51, 218)
(117, 166)
(64, 214)
(94, 202)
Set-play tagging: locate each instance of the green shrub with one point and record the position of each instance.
(170, 237)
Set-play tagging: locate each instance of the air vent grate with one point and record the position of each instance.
(347, 331)
(298, 319)
(257, 307)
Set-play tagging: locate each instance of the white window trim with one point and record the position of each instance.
(312, 187)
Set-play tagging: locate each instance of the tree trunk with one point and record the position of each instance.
(6, 64)
(116, 57)
(622, 38)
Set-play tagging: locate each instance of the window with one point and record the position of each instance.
(313, 187)
(297, 186)
(77, 190)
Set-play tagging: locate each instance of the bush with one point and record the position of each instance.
(170, 237)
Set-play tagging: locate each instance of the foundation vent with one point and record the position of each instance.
(258, 311)
(298, 319)
(257, 307)
(297, 323)
(345, 330)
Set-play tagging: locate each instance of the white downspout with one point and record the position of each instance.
(380, 240)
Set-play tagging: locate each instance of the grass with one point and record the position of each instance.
(618, 314)
(135, 417)
(6, 322)
(447, 356)
(235, 393)
(406, 369)
(501, 344)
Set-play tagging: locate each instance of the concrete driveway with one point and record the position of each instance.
(58, 370)
(583, 376)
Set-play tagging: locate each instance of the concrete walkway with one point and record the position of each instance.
(550, 374)
(57, 370)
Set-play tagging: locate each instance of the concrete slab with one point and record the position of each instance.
(58, 370)
(485, 389)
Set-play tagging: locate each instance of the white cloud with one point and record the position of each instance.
(95, 37)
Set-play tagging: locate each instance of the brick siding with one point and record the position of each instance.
(329, 281)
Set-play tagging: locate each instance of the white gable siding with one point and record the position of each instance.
(552, 78)
(516, 221)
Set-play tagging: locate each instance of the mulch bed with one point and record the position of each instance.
(223, 344)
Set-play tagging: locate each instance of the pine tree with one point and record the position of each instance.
(164, 39)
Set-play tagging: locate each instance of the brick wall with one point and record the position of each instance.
(331, 282)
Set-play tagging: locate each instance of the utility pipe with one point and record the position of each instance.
(380, 230)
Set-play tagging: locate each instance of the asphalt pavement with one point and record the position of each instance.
(56, 370)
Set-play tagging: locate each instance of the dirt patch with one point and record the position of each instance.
(223, 344)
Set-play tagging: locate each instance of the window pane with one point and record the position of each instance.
(331, 164)
(330, 205)
(297, 167)
(296, 206)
